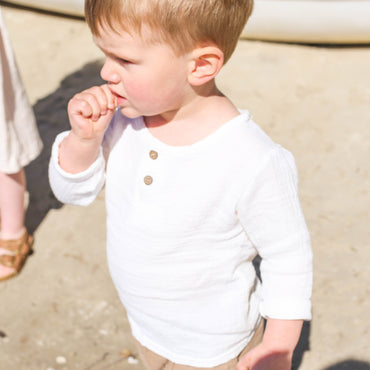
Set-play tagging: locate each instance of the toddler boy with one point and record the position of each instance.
(194, 190)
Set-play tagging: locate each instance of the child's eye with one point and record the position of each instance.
(124, 61)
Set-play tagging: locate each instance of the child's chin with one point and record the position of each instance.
(129, 112)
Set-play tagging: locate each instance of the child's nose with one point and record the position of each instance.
(108, 73)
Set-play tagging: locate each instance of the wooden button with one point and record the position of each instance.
(153, 154)
(148, 180)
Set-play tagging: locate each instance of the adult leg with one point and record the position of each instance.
(12, 189)
(15, 243)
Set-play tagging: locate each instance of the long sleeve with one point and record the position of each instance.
(271, 215)
(79, 189)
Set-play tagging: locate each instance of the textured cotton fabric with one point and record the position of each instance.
(180, 249)
(19, 138)
(153, 361)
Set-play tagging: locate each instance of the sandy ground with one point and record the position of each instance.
(62, 312)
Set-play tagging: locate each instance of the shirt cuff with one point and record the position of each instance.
(75, 177)
(287, 310)
(79, 188)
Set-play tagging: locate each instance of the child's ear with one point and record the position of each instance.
(206, 62)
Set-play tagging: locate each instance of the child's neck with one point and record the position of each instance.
(194, 121)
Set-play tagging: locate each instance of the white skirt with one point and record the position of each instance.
(20, 142)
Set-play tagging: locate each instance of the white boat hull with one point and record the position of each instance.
(308, 21)
(311, 21)
(71, 7)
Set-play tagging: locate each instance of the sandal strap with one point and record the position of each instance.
(19, 248)
(12, 261)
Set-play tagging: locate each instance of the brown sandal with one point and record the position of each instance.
(18, 249)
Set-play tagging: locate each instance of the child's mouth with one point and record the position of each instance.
(120, 99)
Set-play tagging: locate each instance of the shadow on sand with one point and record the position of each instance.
(350, 365)
(51, 116)
(302, 346)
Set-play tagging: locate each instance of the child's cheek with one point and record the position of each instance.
(136, 89)
(143, 93)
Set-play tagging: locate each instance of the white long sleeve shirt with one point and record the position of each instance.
(183, 226)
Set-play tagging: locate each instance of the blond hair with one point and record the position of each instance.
(183, 24)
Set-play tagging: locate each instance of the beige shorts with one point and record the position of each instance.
(152, 361)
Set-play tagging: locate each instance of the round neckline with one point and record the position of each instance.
(213, 137)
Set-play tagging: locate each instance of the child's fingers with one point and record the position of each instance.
(243, 364)
(91, 103)
(112, 100)
(84, 105)
(103, 96)
(91, 111)
(79, 106)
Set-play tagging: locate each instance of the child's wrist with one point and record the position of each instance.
(282, 335)
(85, 142)
(278, 348)
(77, 154)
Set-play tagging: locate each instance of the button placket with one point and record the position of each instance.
(148, 180)
(153, 154)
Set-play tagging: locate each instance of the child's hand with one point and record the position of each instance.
(91, 111)
(264, 358)
(275, 352)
